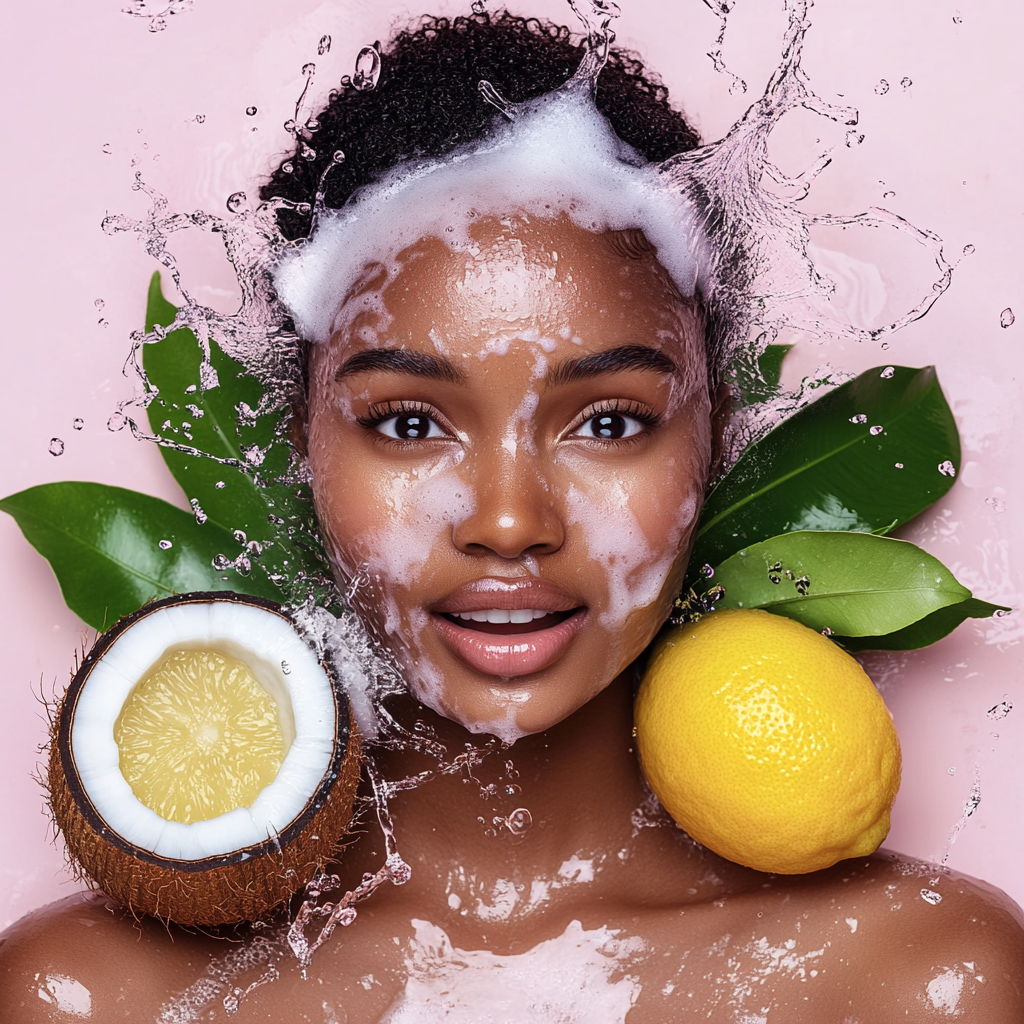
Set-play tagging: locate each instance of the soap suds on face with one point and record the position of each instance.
(559, 156)
(579, 977)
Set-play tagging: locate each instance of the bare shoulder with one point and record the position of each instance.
(83, 956)
(925, 943)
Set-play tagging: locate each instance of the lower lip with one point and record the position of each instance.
(519, 654)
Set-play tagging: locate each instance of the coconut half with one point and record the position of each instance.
(185, 850)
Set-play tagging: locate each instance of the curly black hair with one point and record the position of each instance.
(426, 103)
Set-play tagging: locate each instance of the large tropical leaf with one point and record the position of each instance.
(864, 457)
(856, 585)
(113, 550)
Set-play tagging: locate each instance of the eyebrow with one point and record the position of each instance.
(625, 357)
(400, 360)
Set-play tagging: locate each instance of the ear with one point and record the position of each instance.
(298, 425)
(721, 407)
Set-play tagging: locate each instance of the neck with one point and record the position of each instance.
(582, 788)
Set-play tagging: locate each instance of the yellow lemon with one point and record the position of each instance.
(767, 743)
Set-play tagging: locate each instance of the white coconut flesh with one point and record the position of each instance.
(281, 673)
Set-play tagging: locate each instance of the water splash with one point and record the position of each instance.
(157, 13)
(971, 804)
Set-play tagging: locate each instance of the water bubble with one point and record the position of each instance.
(251, 111)
(367, 68)
(906, 82)
(77, 423)
(116, 422)
(947, 468)
(875, 431)
(930, 896)
(288, 167)
(518, 821)
(968, 250)
(56, 446)
(882, 87)
(197, 511)
(1006, 318)
(1001, 710)
(165, 545)
(887, 372)
(859, 418)
(236, 201)
(899, 465)
(324, 45)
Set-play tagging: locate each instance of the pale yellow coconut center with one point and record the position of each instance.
(199, 736)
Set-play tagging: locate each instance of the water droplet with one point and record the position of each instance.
(1001, 710)
(951, 771)
(906, 82)
(102, 323)
(957, 18)
(165, 545)
(277, 520)
(947, 468)
(200, 118)
(251, 111)
(929, 896)
(116, 422)
(106, 148)
(1006, 318)
(968, 250)
(286, 668)
(235, 202)
(338, 157)
(859, 418)
(239, 535)
(887, 372)
(882, 87)
(826, 631)
(707, 572)
(313, 125)
(479, 7)
(875, 431)
(309, 69)
(56, 446)
(888, 195)
(367, 68)
(324, 45)
(77, 423)
(219, 485)
(854, 138)
(222, 562)
(307, 152)
(802, 584)
(899, 465)
(288, 167)
(518, 821)
(98, 303)
(884, 346)
(197, 511)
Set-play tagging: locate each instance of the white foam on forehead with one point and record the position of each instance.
(559, 156)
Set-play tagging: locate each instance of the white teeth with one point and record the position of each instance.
(504, 615)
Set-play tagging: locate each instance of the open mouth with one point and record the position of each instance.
(509, 622)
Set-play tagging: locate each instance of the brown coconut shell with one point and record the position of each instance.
(245, 885)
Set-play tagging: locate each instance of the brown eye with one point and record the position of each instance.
(410, 426)
(610, 426)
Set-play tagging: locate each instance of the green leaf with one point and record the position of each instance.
(855, 584)
(823, 468)
(925, 631)
(103, 544)
(252, 499)
(750, 386)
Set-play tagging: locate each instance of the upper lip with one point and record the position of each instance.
(510, 594)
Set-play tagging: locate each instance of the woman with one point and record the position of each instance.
(526, 423)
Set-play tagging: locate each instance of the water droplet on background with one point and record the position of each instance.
(1006, 318)
(875, 431)
(286, 668)
(947, 468)
(968, 250)
(77, 423)
(951, 771)
(882, 87)
(324, 45)
(56, 446)
(165, 545)
(236, 201)
(219, 485)
(197, 511)
(899, 465)
(887, 372)
(859, 418)
(929, 896)
(1001, 710)
(479, 7)
(906, 82)
(854, 138)
(200, 118)
(251, 111)
(367, 68)
(98, 303)
(957, 18)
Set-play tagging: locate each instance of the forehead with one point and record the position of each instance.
(546, 283)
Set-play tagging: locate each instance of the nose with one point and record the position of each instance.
(515, 511)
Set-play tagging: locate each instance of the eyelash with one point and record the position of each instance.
(379, 414)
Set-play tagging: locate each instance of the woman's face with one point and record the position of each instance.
(509, 449)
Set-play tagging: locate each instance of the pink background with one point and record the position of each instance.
(82, 78)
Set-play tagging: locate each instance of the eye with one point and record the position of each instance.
(410, 426)
(609, 426)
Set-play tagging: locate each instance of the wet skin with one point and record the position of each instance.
(511, 480)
